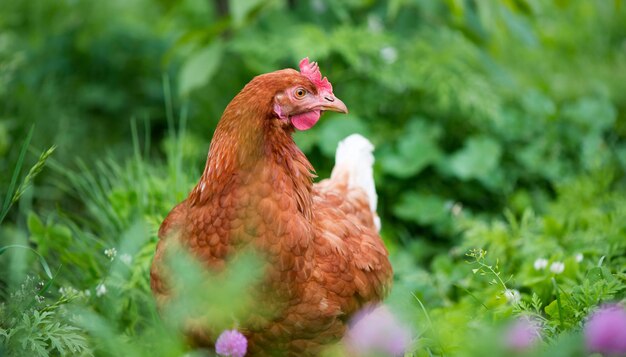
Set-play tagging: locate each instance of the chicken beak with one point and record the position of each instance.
(330, 102)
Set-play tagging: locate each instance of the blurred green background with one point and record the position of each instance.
(490, 105)
(493, 121)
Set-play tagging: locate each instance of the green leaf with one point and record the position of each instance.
(335, 129)
(552, 309)
(597, 114)
(416, 149)
(538, 105)
(38, 233)
(477, 160)
(35, 226)
(421, 208)
(239, 9)
(519, 27)
(594, 151)
(599, 274)
(199, 68)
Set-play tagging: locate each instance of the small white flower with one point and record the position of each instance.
(389, 54)
(126, 258)
(541, 264)
(456, 209)
(68, 291)
(579, 257)
(101, 289)
(557, 267)
(318, 6)
(110, 253)
(374, 24)
(513, 296)
(87, 292)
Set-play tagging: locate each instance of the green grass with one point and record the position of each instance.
(455, 302)
(499, 133)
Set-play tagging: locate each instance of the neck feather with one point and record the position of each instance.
(250, 147)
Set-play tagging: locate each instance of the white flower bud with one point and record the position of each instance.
(557, 267)
(110, 253)
(389, 54)
(101, 289)
(579, 257)
(513, 296)
(540, 264)
(126, 258)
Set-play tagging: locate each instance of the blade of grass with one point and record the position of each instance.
(181, 134)
(8, 199)
(48, 284)
(430, 323)
(472, 295)
(169, 111)
(32, 173)
(43, 262)
(558, 301)
(169, 114)
(419, 301)
(139, 183)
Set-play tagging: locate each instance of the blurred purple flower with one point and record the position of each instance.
(231, 343)
(523, 334)
(375, 329)
(605, 331)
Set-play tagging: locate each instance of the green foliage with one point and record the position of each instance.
(420, 137)
(29, 327)
(499, 133)
(499, 278)
(14, 193)
(200, 68)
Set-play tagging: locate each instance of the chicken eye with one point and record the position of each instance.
(299, 93)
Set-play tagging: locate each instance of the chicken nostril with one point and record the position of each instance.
(330, 99)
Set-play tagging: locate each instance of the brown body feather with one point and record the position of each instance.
(326, 259)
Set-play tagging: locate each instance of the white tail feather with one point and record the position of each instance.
(354, 158)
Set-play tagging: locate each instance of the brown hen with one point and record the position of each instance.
(326, 259)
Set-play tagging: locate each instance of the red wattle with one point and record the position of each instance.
(306, 120)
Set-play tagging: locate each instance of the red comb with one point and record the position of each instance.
(312, 72)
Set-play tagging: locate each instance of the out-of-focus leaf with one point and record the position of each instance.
(541, 157)
(35, 226)
(309, 41)
(478, 158)
(335, 129)
(538, 105)
(416, 149)
(591, 113)
(239, 9)
(593, 151)
(421, 208)
(519, 27)
(48, 236)
(203, 296)
(200, 68)
(359, 47)
(5, 139)
(599, 274)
